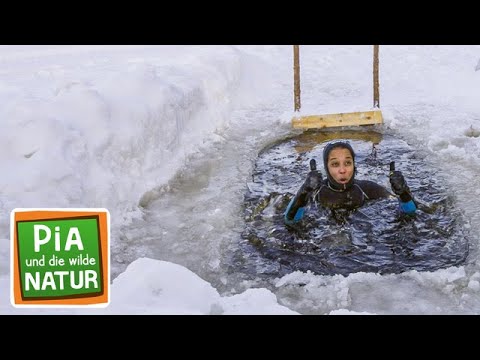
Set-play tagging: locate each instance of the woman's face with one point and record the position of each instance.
(340, 165)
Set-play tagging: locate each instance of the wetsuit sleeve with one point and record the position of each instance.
(373, 190)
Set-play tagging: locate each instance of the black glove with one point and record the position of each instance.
(399, 186)
(313, 181)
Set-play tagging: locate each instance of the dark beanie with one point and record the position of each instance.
(326, 151)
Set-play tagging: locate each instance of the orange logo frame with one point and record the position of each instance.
(98, 300)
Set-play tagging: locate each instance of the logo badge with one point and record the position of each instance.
(60, 257)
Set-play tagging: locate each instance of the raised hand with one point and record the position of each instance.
(295, 209)
(398, 183)
(399, 186)
(313, 180)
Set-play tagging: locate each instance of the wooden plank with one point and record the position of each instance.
(341, 119)
(310, 139)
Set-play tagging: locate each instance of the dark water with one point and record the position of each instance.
(374, 238)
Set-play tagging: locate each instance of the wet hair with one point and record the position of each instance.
(326, 151)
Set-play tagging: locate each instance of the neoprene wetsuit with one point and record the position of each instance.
(330, 194)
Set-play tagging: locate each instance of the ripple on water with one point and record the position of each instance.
(374, 238)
